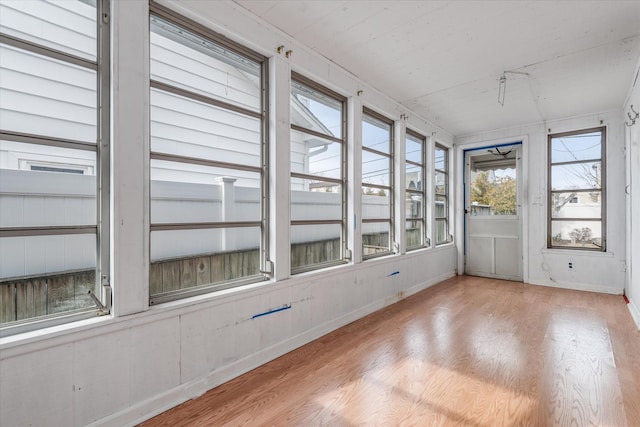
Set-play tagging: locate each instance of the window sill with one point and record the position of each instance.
(577, 252)
(40, 337)
(442, 245)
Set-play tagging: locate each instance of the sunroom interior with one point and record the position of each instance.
(191, 189)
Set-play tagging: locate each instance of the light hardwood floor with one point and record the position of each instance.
(469, 351)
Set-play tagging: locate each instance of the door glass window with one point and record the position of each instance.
(493, 185)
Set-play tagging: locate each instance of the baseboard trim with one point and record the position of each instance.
(146, 409)
(635, 312)
(578, 287)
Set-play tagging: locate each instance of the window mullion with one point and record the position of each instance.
(441, 191)
(104, 153)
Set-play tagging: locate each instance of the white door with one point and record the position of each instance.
(493, 227)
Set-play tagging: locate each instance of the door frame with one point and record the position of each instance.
(466, 173)
(460, 217)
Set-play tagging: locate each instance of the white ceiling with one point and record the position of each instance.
(442, 59)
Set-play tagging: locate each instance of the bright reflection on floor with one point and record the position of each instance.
(434, 394)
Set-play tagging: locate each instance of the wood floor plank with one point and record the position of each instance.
(469, 351)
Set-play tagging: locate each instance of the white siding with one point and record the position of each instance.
(43, 96)
(67, 26)
(177, 65)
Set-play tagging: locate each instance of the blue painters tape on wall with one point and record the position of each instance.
(393, 274)
(286, 307)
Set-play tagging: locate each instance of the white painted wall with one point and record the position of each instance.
(600, 272)
(141, 360)
(632, 145)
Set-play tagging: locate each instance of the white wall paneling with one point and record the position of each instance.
(632, 194)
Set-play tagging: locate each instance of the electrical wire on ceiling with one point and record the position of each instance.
(502, 84)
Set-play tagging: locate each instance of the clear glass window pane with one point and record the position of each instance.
(45, 255)
(66, 26)
(413, 177)
(314, 110)
(576, 234)
(186, 127)
(188, 61)
(414, 205)
(183, 259)
(185, 193)
(441, 207)
(375, 169)
(441, 199)
(41, 275)
(441, 159)
(583, 204)
(376, 134)
(46, 186)
(576, 201)
(376, 203)
(315, 200)
(317, 156)
(315, 244)
(442, 231)
(414, 149)
(441, 183)
(570, 148)
(414, 232)
(576, 176)
(494, 192)
(44, 96)
(375, 238)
